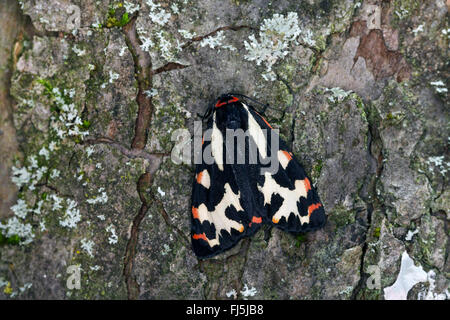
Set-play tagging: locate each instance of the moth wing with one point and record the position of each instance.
(288, 196)
(218, 219)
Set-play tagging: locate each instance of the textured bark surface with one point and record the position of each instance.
(363, 101)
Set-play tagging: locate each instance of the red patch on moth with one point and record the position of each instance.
(203, 140)
(200, 236)
(256, 219)
(313, 207)
(287, 154)
(264, 120)
(195, 212)
(199, 177)
(219, 104)
(307, 184)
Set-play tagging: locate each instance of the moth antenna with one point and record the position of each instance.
(208, 113)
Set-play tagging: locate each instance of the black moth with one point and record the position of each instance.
(231, 200)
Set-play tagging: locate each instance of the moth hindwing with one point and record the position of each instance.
(247, 177)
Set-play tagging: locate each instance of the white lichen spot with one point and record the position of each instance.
(79, 52)
(42, 226)
(348, 290)
(275, 36)
(165, 46)
(308, 38)
(152, 6)
(54, 174)
(53, 146)
(410, 234)
(229, 47)
(25, 287)
(231, 293)
(418, 29)
(96, 25)
(187, 34)
(20, 209)
(214, 40)
(112, 239)
(113, 76)
(71, 215)
(122, 51)
(80, 176)
(131, 7)
(14, 227)
(161, 192)
(57, 202)
(95, 268)
(439, 86)
(174, 8)
(89, 151)
(338, 94)
(43, 20)
(401, 12)
(248, 292)
(88, 246)
(20, 176)
(160, 17)
(151, 93)
(438, 163)
(147, 43)
(3, 282)
(38, 208)
(166, 249)
(45, 153)
(269, 76)
(102, 198)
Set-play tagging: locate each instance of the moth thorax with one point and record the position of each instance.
(233, 117)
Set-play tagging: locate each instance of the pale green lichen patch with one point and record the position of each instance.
(38, 169)
(275, 37)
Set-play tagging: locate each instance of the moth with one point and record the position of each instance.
(232, 199)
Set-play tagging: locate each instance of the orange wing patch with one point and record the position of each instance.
(284, 157)
(264, 120)
(200, 236)
(307, 184)
(256, 220)
(199, 177)
(204, 179)
(195, 212)
(313, 207)
(287, 154)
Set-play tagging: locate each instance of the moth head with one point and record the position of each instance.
(226, 99)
